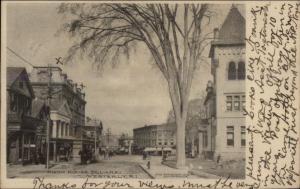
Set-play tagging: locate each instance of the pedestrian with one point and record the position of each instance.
(219, 161)
(148, 164)
(81, 156)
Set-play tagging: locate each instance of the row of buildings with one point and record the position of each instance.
(220, 131)
(27, 114)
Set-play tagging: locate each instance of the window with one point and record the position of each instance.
(231, 71)
(241, 70)
(236, 103)
(243, 136)
(243, 102)
(230, 136)
(229, 103)
(13, 102)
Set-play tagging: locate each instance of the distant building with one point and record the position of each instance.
(227, 55)
(110, 141)
(156, 136)
(67, 107)
(21, 126)
(125, 143)
(92, 132)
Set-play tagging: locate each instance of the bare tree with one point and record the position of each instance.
(172, 33)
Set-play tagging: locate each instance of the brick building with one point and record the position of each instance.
(155, 136)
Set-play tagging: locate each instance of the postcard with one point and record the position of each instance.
(150, 94)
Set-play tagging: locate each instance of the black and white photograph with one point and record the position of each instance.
(125, 90)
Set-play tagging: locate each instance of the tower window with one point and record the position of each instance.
(231, 71)
(241, 70)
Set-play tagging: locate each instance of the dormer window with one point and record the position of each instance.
(231, 71)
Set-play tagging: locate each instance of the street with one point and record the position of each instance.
(125, 166)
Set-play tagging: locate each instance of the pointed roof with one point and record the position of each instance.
(232, 32)
(13, 73)
(233, 28)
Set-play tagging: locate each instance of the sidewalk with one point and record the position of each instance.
(210, 169)
(159, 170)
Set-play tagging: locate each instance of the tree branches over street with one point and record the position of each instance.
(172, 33)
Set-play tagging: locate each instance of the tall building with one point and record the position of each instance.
(227, 55)
(67, 110)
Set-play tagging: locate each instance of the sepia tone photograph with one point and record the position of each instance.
(125, 90)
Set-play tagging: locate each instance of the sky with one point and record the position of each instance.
(131, 95)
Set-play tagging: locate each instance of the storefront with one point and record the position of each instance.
(21, 140)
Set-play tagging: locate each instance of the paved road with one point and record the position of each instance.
(116, 167)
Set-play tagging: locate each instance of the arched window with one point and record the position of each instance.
(231, 71)
(241, 70)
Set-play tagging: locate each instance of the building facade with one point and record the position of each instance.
(227, 55)
(155, 136)
(67, 110)
(92, 132)
(21, 126)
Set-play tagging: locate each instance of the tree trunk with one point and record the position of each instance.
(180, 106)
(180, 143)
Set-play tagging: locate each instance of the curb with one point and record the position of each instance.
(146, 171)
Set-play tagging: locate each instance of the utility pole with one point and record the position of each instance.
(48, 119)
(96, 138)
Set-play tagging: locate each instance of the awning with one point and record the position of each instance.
(149, 149)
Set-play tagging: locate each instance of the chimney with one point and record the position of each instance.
(216, 33)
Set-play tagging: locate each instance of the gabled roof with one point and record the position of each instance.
(232, 32)
(13, 73)
(61, 107)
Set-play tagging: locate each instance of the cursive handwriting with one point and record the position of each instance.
(272, 72)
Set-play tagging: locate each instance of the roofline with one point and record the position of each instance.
(58, 83)
(47, 67)
(212, 46)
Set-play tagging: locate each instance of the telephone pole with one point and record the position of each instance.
(48, 116)
(96, 138)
